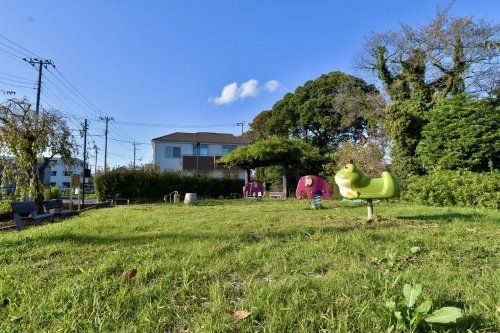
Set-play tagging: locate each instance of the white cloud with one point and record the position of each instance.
(229, 94)
(250, 88)
(272, 85)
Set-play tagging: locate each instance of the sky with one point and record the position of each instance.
(188, 65)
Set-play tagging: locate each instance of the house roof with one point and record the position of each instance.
(203, 137)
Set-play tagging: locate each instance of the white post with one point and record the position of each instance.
(71, 196)
(370, 209)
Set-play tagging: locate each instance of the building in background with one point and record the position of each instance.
(57, 174)
(60, 173)
(196, 153)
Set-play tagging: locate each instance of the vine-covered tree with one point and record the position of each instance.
(26, 137)
(420, 66)
(324, 112)
(461, 133)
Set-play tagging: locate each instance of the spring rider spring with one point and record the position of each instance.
(353, 184)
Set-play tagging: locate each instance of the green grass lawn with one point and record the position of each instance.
(295, 269)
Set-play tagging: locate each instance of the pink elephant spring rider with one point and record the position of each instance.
(253, 190)
(312, 186)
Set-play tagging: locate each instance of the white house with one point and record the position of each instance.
(196, 153)
(60, 172)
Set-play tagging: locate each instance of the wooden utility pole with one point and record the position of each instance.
(95, 151)
(135, 148)
(85, 128)
(242, 124)
(106, 119)
(41, 64)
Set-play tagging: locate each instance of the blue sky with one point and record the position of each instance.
(168, 61)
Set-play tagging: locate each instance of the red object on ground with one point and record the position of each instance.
(312, 185)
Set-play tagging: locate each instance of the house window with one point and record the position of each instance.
(67, 173)
(201, 150)
(226, 149)
(66, 185)
(53, 173)
(172, 152)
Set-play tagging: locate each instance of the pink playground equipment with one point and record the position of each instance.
(312, 186)
(253, 190)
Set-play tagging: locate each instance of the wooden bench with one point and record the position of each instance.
(26, 211)
(276, 195)
(57, 205)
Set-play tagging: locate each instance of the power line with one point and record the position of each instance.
(10, 41)
(16, 85)
(41, 64)
(11, 54)
(24, 81)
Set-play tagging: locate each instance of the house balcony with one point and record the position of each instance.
(203, 163)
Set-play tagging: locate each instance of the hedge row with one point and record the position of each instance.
(455, 188)
(153, 185)
(5, 210)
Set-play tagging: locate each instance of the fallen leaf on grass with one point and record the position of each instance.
(240, 314)
(470, 230)
(130, 274)
(498, 308)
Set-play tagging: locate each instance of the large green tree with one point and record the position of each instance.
(324, 112)
(461, 133)
(31, 140)
(420, 66)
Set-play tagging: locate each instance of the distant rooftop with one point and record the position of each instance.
(203, 137)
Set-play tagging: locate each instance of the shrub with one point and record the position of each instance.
(450, 188)
(5, 210)
(462, 133)
(51, 193)
(152, 185)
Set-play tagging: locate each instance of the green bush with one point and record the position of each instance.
(5, 210)
(153, 185)
(462, 133)
(51, 193)
(455, 188)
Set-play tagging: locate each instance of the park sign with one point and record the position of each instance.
(75, 181)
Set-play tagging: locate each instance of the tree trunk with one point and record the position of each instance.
(285, 180)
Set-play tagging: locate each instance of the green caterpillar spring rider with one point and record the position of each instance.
(353, 184)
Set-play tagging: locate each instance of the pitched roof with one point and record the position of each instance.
(203, 137)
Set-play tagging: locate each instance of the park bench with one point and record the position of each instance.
(27, 212)
(276, 195)
(57, 205)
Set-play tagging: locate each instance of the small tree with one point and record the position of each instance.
(27, 136)
(462, 133)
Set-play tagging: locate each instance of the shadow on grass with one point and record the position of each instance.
(446, 217)
(243, 237)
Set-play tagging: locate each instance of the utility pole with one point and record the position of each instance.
(241, 124)
(85, 129)
(41, 63)
(95, 165)
(135, 148)
(106, 119)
